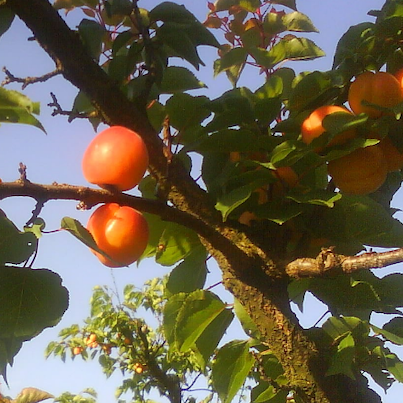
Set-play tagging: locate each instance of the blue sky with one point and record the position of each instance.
(57, 157)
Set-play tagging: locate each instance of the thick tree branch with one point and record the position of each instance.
(329, 263)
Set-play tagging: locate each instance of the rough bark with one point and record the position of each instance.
(248, 272)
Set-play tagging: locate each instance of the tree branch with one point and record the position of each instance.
(10, 78)
(329, 263)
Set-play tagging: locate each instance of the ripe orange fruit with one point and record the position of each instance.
(361, 172)
(77, 350)
(119, 231)
(394, 157)
(117, 157)
(312, 126)
(379, 88)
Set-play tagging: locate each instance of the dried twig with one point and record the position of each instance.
(10, 78)
(58, 110)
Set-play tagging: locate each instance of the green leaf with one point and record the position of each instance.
(298, 22)
(177, 37)
(30, 300)
(15, 246)
(394, 366)
(186, 114)
(32, 395)
(395, 326)
(82, 234)
(319, 197)
(169, 11)
(341, 327)
(18, 108)
(208, 341)
(175, 243)
(6, 19)
(288, 48)
(186, 317)
(247, 323)
(230, 201)
(234, 57)
(279, 211)
(92, 35)
(287, 3)
(343, 359)
(368, 222)
(264, 392)
(354, 43)
(231, 368)
(227, 140)
(249, 5)
(179, 79)
(312, 89)
(190, 274)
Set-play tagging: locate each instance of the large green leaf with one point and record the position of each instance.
(231, 368)
(264, 392)
(30, 300)
(288, 48)
(343, 359)
(187, 320)
(15, 246)
(18, 108)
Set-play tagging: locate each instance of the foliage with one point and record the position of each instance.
(243, 138)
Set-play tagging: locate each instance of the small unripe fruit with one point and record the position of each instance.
(119, 231)
(116, 158)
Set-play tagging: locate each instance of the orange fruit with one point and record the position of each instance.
(361, 172)
(312, 126)
(120, 231)
(379, 88)
(117, 157)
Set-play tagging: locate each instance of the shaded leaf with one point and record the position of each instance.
(234, 57)
(6, 19)
(190, 274)
(15, 246)
(179, 79)
(169, 11)
(319, 197)
(343, 359)
(92, 35)
(30, 301)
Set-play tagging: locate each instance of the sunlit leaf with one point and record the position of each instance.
(232, 366)
(32, 395)
(18, 108)
(293, 48)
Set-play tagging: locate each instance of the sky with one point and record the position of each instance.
(57, 157)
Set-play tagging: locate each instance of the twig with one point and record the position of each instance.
(10, 78)
(58, 110)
